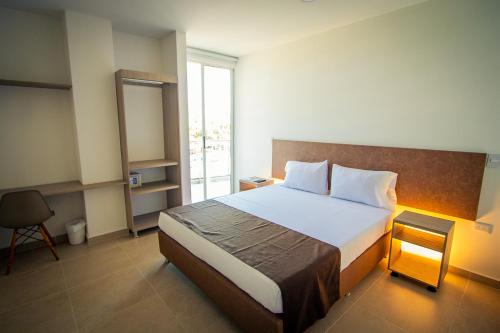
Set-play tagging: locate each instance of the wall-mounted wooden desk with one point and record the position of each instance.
(63, 187)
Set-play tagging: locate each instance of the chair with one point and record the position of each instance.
(25, 212)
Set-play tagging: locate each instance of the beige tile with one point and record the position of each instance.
(342, 305)
(411, 306)
(95, 265)
(335, 312)
(100, 299)
(360, 319)
(202, 315)
(181, 295)
(482, 298)
(124, 285)
(162, 274)
(155, 268)
(366, 283)
(30, 260)
(49, 314)
(223, 324)
(184, 298)
(149, 315)
(18, 289)
(209, 320)
(466, 322)
(479, 310)
(69, 252)
(191, 306)
(143, 248)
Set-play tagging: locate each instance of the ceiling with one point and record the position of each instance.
(232, 27)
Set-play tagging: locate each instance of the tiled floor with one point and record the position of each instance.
(124, 286)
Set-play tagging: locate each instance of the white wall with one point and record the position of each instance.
(37, 141)
(137, 52)
(32, 47)
(37, 138)
(174, 60)
(91, 59)
(144, 117)
(426, 76)
(36, 134)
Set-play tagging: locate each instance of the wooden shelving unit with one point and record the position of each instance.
(63, 187)
(138, 165)
(153, 187)
(423, 233)
(171, 185)
(146, 221)
(32, 84)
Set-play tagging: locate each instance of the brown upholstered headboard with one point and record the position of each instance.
(445, 182)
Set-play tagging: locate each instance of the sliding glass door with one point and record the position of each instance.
(210, 130)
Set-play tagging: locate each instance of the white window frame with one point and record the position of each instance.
(207, 58)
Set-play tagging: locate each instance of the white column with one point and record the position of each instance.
(91, 61)
(173, 47)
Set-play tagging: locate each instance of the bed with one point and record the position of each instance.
(353, 227)
(360, 232)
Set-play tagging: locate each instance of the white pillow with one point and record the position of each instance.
(374, 188)
(311, 177)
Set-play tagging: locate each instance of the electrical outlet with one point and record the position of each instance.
(482, 226)
(493, 161)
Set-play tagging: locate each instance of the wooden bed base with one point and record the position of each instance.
(247, 313)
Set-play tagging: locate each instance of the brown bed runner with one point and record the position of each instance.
(306, 270)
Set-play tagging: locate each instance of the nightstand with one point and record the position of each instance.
(420, 248)
(254, 182)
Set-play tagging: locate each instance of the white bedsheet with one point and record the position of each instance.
(350, 226)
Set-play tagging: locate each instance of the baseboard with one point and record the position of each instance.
(107, 237)
(59, 239)
(474, 276)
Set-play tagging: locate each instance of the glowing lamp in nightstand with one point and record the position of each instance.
(420, 248)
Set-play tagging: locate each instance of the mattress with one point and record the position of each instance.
(350, 226)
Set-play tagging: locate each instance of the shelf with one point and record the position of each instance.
(417, 267)
(63, 187)
(30, 84)
(136, 165)
(425, 222)
(419, 237)
(146, 221)
(103, 184)
(154, 187)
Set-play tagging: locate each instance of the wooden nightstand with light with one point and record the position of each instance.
(254, 182)
(420, 248)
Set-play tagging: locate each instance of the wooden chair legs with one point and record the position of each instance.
(12, 251)
(48, 239)
(48, 234)
(28, 234)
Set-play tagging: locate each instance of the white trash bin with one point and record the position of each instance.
(76, 231)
